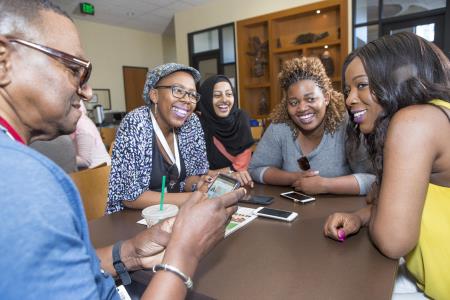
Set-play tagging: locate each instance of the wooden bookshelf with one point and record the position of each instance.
(280, 30)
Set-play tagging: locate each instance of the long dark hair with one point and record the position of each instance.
(403, 69)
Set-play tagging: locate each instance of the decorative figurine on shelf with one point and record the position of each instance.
(327, 62)
(259, 52)
(263, 108)
(278, 43)
(310, 37)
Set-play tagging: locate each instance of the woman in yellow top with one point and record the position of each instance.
(389, 86)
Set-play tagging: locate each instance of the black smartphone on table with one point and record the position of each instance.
(257, 199)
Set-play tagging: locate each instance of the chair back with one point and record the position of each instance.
(111, 148)
(256, 132)
(258, 126)
(108, 135)
(93, 187)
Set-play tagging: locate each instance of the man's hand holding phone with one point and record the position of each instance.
(221, 185)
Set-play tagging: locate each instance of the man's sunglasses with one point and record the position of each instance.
(80, 67)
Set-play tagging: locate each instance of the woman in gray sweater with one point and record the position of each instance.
(304, 147)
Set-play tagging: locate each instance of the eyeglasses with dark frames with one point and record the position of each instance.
(179, 92)
(303, 163)
(80, 67)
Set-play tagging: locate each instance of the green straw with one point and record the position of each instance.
(163, 189)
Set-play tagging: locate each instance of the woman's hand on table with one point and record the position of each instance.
(309, 182)
(340, 225)
(244, 178)
(204, 182)
(193, 183)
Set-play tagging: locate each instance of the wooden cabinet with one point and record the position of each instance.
(265, 42)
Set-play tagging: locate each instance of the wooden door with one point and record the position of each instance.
(134, 80)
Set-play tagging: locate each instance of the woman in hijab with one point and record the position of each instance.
(227, 129)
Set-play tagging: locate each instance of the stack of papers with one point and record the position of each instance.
(242, 217)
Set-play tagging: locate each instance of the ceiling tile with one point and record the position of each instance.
(195, 2)
(159, 2)
(179, 6)
(147, 15)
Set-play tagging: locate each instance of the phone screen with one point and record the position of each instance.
(275, 212)
(297, 196)
(221, 185)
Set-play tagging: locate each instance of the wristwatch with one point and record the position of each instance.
(119, 266)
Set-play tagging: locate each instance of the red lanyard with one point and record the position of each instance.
(11, 132)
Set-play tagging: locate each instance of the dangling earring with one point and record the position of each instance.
(156, 110)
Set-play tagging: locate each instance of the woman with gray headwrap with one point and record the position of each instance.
(162, 138)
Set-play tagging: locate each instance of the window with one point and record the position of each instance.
(364, 34)
(212, 51)
(395, 8)
(206, 41)
(375, 18)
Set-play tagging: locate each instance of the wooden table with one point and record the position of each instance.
(269, 259)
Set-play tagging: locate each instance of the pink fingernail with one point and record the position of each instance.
(341, 235)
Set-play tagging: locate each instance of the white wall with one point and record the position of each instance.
(169, 44)
(169, 48)
(110, 48)
(220, 12)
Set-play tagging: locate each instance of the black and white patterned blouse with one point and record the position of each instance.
(131, 164)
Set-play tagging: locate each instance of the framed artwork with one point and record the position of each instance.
(100, 96)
